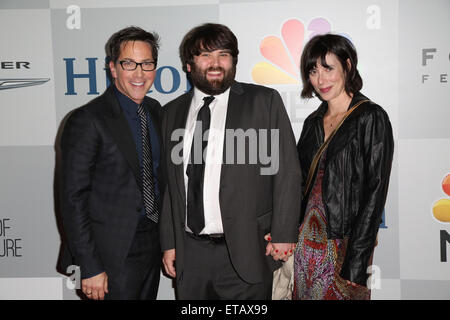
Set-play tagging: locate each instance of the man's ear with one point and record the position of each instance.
(188, 67)
(112, 68)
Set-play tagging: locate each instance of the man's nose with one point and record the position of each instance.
(139, 71)
(214, 60)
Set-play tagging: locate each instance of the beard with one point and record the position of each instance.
(212, 87)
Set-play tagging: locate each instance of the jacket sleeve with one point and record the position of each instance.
(378, 147)
(79, 145)
(167, 236)
(287, 180)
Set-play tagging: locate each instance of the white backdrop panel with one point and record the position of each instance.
(423, 164)
(27, 115)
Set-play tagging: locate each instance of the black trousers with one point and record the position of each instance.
(139, 279)
(209, 274)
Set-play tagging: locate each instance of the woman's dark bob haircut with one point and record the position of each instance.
(207, 37)
(316, 50)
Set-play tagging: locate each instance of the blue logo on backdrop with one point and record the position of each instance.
(383, 223)
(161, 73)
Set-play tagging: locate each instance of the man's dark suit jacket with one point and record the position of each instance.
(251, 204)
(101, 198)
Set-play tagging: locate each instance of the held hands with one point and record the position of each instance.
(95, 287)
(351, 283)
(279, 251)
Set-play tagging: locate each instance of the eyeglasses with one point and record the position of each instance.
(132, 65)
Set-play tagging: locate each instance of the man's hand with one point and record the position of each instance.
(279, 251)
(169, 262)
(354, 285)
(95, 287)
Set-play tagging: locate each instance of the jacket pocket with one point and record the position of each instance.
(265, 221)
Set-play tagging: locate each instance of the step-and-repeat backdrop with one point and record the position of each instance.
(52, 60)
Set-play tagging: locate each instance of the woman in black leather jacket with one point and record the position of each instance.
(343, 205)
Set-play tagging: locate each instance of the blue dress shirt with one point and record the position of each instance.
(129, 108)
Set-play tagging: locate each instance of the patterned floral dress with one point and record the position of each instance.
(317, 260)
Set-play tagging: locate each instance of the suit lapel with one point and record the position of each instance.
(235, 105)
(120, 130)
(180, 123)
(347, 131)
(235, 110)
(154, 116)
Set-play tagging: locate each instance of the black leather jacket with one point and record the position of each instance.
(356, 178)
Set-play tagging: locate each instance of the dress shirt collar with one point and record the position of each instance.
(128, 105)
(199, 95)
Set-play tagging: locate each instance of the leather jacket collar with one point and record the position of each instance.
(320, 112)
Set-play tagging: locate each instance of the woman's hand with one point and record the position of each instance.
(354, 285)
(279, 251)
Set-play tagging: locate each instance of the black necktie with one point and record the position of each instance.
(148, 185)
(196, 169)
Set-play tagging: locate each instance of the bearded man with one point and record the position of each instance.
(221, 198)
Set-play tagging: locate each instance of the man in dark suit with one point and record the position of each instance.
(224, 192)
(112, 179)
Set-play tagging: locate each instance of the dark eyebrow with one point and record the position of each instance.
(145, 60)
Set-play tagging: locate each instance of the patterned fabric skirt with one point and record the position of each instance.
(317, 260)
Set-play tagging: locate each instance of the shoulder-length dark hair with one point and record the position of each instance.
(316, 50)
(207, 37)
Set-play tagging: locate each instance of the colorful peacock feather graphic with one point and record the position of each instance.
(284, 53)
(441, 208)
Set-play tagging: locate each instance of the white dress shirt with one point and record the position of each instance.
(214, 154)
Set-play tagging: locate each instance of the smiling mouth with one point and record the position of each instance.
(325, 90)
(214, 74)
(137, 84)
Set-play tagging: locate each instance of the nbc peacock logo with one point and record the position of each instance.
(283, 54)
(441, 208)
(441, 212)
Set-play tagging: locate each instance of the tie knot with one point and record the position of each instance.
(208, 100)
